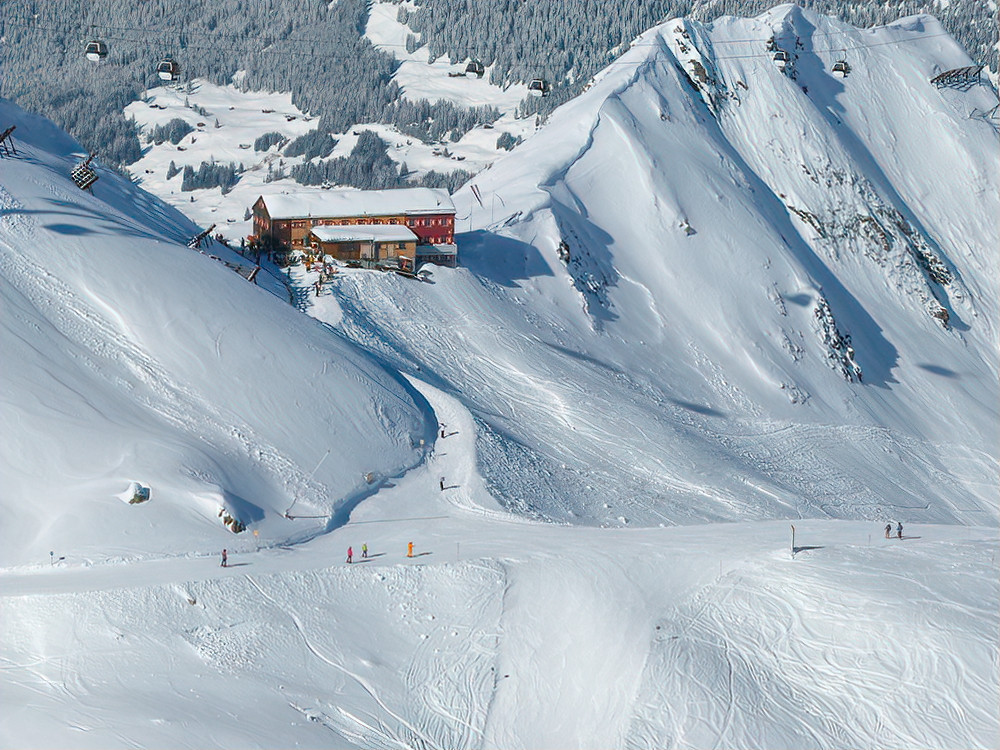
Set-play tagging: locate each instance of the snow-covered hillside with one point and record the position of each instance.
(504, 633)
(129, 357)
(226, 123)
(647, 331)
(777, 295)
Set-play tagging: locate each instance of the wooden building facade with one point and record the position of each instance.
(287, 221)
(366, 243)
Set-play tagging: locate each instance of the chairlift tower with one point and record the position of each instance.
(961, 79)
(7, 142)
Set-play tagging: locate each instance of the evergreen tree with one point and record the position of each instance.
(264, 142)
(210, 175)
(173, 131)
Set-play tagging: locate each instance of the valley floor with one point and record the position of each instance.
(501, 632)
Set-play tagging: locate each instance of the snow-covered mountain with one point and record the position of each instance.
(649, 329)
(710, 289)
(129, 357)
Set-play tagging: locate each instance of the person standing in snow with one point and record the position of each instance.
(350, 555)
(364, 551)
(409, 549)
(225, 559)
(899, 530)
(888, 529)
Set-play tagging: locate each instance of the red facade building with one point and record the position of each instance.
(286, 220)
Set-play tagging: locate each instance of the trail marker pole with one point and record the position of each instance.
(793, 541)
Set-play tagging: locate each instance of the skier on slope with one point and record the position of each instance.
(899, 530)
(364, 551)
(350, 555)
(888, 529)
(225, 559)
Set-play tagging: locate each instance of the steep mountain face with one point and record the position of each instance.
(713, 289)
(129, 357)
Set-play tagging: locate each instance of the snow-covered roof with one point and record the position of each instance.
(343, 203)
(365, 233)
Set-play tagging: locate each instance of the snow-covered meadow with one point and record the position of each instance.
(237, 118)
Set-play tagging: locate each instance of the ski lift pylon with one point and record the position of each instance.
(96, 50)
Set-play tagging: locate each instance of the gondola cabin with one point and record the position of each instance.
(475, 68)
(96, 50)
(780, 59)
(538, 87)
(841, 68)
(168, 69)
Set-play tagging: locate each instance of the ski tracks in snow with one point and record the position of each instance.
(102, 343)
(383, 736)
(780, 656)
(442, 693)
(451, 697)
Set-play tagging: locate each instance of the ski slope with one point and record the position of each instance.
(506, 633)
(129, 357)
(597, 459)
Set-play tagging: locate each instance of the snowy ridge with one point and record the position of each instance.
(723, 253)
